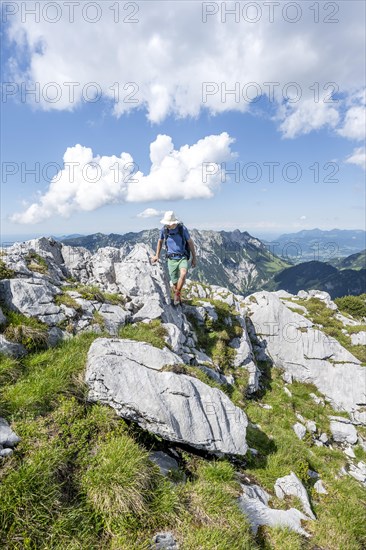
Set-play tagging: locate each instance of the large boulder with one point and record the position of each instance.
(308, 354)
(128, 376)
(34, 297)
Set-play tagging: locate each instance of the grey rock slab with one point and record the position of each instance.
(254, 503)
(6, 452)
(357, 473)
(114, 317)
(299, 430)
(323, 438)
(306, 353)
(11, 349)
(342, 432)
(349, 452)
(175, 337)
(319, 487)
(164, 540)
(283, 294)
(311, 426)
(77, 261)
(127, 375)
(210, 310)
(151, 310)
(8, 438)
(291, 485)
(56, 335)
(32, 297)
(126, 351)
(198, 312)
(358, 338)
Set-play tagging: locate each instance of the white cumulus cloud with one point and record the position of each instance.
(150, 213)
(358, 157)
(89, 181)
(354, 124)
(164, 60)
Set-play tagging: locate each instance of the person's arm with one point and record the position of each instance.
(158, 250)
(193, 252)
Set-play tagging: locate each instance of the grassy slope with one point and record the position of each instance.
(80, 477)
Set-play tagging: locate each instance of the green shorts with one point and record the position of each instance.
(174, 268)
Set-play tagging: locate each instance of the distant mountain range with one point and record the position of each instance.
(244, 264)
(322, 276)
(318, 245)
(233, 259)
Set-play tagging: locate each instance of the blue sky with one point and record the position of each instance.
(170, 104)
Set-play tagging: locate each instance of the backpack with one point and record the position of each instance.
(187, 250)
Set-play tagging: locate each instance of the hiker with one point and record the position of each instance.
(177, 239)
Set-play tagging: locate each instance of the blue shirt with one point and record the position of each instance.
(174, 241)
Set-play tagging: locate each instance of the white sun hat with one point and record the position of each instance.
(169, 218)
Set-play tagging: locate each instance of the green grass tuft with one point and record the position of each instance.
(5, 272)
(35, 262)
(153, 333)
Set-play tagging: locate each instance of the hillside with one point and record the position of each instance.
(128, 423)
(320, 275)
(354, 261)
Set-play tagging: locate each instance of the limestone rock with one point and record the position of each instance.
(127, 375)
(164, 540)
(32, 297)
(306, 353)
(11, 349)
(8, 438)
(343, 432)
(291, 485)
(358, 338)
(319, 487)
(254, 503)
(299, 430)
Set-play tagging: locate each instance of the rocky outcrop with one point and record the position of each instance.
(33, 297)
(128, 376)
(126, 272)
(304, 351)
(272, 330)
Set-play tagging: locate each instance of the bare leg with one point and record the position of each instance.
(182, 278)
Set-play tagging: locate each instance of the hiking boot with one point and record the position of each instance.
(177, 298)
